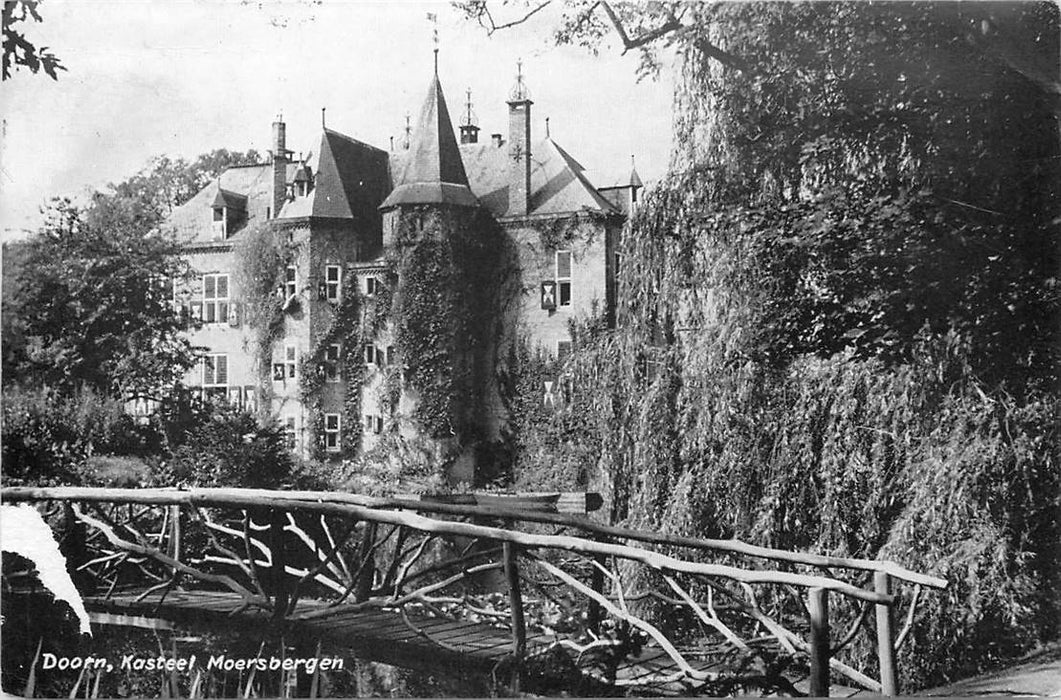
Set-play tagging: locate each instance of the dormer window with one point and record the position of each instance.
(229, 210)
(219, 228)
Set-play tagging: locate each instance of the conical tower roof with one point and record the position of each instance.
(434, 172)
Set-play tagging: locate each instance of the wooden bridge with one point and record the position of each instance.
(491, 584)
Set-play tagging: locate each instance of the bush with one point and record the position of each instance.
(224, 446)
(48, 439)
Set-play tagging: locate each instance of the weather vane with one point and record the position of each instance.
(432, 17)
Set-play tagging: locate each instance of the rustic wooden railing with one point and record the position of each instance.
(622, 588)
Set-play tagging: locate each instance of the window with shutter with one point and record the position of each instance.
(563, 277)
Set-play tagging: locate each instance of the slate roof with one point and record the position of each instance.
(225, 198)
(559, 184)
(352, 179)
(192, 221)
(433, 172)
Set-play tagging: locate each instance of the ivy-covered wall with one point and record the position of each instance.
(444, 317)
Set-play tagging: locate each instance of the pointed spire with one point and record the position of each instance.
(635, 179)
(434, 172)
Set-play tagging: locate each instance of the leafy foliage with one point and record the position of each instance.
(838, 314)
(169, 182)
(228, 447)
(260, 261)
(444, 262)
(49, 438)
(20, 51)
(94, 299)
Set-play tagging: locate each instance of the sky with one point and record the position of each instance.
(184, 77)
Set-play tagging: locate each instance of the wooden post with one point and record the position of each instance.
(279, 568)
(366, 577)
(175, 531)
(889, 672)
(818, 606)
(596, 582)
(515, 603)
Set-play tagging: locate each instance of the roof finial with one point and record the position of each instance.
(519, 91)
(323, 110)
(433, 18)
(547, 127)
(408, 130)
(632, 163)
(469, 118)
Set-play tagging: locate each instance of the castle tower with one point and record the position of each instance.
(435, 240)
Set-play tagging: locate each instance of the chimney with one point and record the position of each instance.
(280, 159)
(519, 145)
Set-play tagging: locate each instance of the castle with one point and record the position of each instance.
(313, 339)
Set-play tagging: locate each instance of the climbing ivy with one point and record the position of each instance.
(445, 260)
(345, 329)
(560, 232)
(260, 261)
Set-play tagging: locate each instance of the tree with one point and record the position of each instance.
(95, 297)
(169, 182)
(20, 51)
(87, 301)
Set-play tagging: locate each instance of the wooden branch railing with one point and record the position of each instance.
(241, 498)
(401, 558)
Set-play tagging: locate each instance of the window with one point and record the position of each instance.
(215, 370)
(219, 224)
(563, 277)
(390, 354)
(332, 277)
(332, 423)
(374, 424)
(235, 396)
(250, 399)
(215, 376)
(371, 284)
(290, 281)
(370, 354)
(548, 395)
(290, 433)
(215, 299)
(331, 362)
(290, 361)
